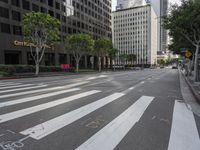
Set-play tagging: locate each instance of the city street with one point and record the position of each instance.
(123, 110)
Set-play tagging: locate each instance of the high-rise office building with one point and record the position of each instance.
(160, 7)
(123, 4)
(163, 32)
(76, 16)
(135, 32)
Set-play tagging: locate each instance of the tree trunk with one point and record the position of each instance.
(124, 64)
(196, 64)
(77, 67)
(37, 69)
(99, 63)
(111, 63)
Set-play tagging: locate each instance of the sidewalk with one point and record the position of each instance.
(194, 86)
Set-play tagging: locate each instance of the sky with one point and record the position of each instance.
(114, 3)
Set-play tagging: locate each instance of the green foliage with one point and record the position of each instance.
(4, 74)
(131, 57)
(40, 31)
(9, 70)
(79, 43)
(37, 25)
(161, 62)
(183, 24)
(112, 52)
(179, 42)
(103, 47)
(123, 57)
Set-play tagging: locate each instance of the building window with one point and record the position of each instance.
(51, 13)
(5, 28)
(4, 12)
(15, 3)
(16, 15)
(43, 1)
(26, 5)
(43, 10)
(17, 30)
(50, 3)
(5, 1)
(35, 7)
(57, 5)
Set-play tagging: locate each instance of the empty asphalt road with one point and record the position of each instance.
(131, 110)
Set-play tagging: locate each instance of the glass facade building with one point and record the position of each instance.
(77, 16)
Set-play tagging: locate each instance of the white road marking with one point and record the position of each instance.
(20, 89)
(15, 86)
(75, 84)
(91, 78)
(38, 97)
(8, 84)
(184, 134)
(142, 82)
(131, 88)
(30, 110)
(62, 121)
(43, 90)
(97, 77)
(110, 136)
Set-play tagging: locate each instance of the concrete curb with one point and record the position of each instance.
(192, 89)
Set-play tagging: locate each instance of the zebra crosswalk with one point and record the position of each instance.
(183, 134)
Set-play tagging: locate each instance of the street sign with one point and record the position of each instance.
(188, 54)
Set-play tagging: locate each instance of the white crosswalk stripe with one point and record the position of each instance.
(117, 128)
(184, 133)
(8, 84)
(30, 110)
(15, 86)
(38, 97)
(20, 89)
(43, 90)
(61, 121)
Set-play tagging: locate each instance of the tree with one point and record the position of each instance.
(78, 45)
(131, 58)
(184, 22)
(41, 31)
(178, 42)
(101, 48)
(161, 62)
(112, 54)
(123, 58)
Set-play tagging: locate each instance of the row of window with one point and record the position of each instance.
(86, 24)
(131, 14)
(5, 28)
(26, 4)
